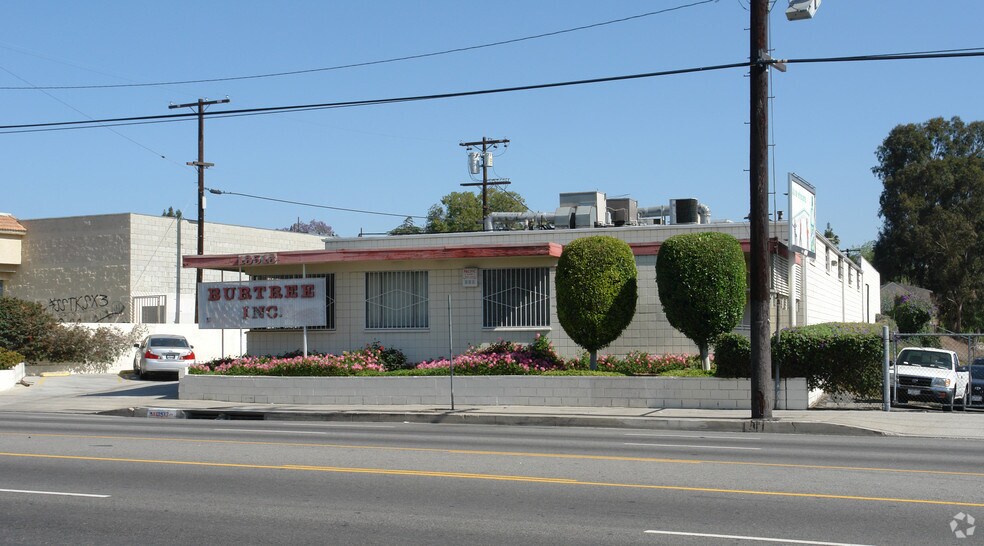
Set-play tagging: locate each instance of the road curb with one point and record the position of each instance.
(777, 426)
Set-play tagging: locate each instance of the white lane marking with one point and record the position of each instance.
(760, 539)
(270, 431)
(703, 436)
(54, 493)
(701, 447)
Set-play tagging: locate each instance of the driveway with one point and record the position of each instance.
(88, 393)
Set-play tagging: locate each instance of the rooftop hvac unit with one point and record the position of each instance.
(687, 211)
(594, 199)
(624, 211)
(585, 216)
(564, 218)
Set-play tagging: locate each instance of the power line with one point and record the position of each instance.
(371, 63)
(140, 120)
(370, 102)
(223, 192)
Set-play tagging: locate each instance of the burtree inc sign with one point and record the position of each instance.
(278, 303)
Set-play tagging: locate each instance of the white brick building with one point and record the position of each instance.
(395, 289)
(121, 268)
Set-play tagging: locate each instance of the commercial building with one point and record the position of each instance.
(417, 292)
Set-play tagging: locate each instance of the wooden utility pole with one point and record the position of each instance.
(485, 183)
(761, 391)
(200, 165)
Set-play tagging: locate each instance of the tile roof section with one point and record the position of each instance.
(10, 224)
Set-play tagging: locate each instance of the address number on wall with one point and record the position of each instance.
(257, 259)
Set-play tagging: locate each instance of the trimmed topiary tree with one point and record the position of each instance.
(596, 291)
(701, 279)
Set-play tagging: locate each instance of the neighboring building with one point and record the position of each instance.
(121, 268)
(397, 290)
(11, 236)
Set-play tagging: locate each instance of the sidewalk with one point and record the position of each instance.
(106, 394)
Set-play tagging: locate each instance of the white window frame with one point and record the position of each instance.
(397, 300)
(516, 298)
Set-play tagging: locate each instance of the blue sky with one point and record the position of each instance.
(652, 139)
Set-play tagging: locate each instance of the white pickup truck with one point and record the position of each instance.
(925, 374)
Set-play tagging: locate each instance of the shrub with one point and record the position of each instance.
(9, 359)
(596, 291)
(77, 343)
(24, 326)
(911, 315)
(733, 355)
(391, 359)
(701, 279)
(835, 357)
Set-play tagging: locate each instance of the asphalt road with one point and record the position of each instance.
(111, 480)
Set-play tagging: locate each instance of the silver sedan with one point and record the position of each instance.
(163, 353)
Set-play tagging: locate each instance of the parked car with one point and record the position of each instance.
(159, 353)
(977, 383)
(925, 374)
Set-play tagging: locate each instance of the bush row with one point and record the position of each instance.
(835, 357)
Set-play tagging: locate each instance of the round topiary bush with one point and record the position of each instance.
(702, 281)
(596, 291)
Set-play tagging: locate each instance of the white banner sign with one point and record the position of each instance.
(802, 216)
(278, 303)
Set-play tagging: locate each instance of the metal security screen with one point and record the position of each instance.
(516, 297)
(149, 309)
(329, 297)
(396, 299)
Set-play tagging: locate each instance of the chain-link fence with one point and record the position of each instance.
(934, 369)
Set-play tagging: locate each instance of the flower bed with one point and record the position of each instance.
(500, 358)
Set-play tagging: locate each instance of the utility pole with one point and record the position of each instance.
(486, 159)
(761, 392)
(200, 165)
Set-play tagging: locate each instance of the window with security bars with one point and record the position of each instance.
(396, 299)
(329, 297)
(517, 298)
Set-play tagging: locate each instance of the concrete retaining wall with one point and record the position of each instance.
(641, 392)
(9, 378)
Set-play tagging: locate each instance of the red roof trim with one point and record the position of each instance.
(552, 250)
(297, 257)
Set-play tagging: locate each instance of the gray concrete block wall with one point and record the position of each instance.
(648, 392)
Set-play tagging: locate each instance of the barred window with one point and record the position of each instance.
(516, 297)
(329, 297)
(396, 299)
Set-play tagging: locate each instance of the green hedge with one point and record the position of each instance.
(835, 356)
(733, 356)
(9, 359)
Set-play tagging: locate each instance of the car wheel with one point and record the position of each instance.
(950, 401)
(963, 401)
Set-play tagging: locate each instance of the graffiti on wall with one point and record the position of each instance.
(86, 308)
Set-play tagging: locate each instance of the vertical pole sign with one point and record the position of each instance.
(802, 216)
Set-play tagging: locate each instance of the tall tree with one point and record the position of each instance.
(407, 228)
(831, 236)
(171, 213)
(462, 211)
(314, 227)
(932, 207)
